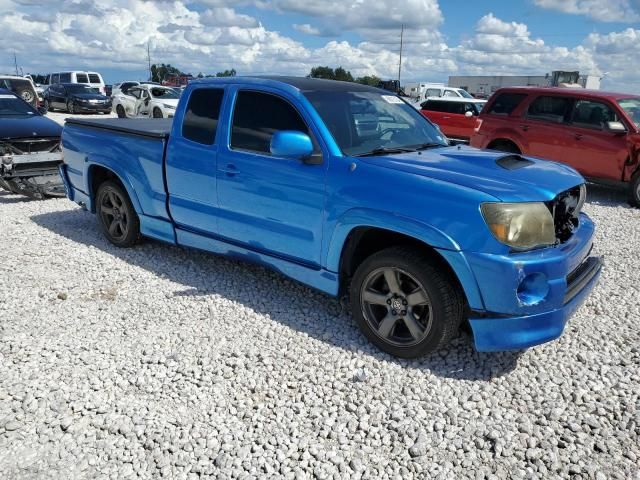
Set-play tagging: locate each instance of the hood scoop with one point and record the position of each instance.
(513, 162)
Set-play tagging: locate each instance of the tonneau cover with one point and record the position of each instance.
(147, 127)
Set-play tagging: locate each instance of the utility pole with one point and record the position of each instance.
(149, 62)
(15, 62)
(400, 63)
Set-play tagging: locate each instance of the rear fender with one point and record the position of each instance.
(120, 174)
(633, 162)
(512, 136)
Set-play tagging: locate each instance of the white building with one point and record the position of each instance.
(486, 85)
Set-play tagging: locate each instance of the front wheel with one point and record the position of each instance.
(71, 108)
(404, 304)
(120, 111)
(157, 113)
(634, 190)
(47, 106)
(116, 216)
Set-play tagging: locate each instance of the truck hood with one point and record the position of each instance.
(507, 177)
(26, 126)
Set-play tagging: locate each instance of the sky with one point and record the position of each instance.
(441, 37)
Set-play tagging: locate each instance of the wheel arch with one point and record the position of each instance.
(98, 173)
(504, 140)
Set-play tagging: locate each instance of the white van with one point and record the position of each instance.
(93, 79)
(419, 92)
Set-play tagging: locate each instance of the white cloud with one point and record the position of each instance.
(604, 11)
(618, 54)
(306, 28)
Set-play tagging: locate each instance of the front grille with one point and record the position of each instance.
(565, 209)
(22, 146)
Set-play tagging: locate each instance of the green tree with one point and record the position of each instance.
(227, 73)
(322, 72)
(158, 72)
(371, 80)
(343, 75)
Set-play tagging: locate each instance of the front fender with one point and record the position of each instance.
(364, 217)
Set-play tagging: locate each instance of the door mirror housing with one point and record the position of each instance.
(468, 114)
(291, 144)
(616, 127)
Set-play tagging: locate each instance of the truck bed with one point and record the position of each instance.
(146, 127)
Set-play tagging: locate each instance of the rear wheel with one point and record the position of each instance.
(120, 111)
(634, 190)
(27, 95)
(47, 106)
(404, 304)
(505, 146)
(71, 108)
(157, 113)
(116, 216)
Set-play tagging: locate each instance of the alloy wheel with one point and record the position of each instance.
(114, 215)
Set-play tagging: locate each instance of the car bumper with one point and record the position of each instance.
(528, 297)
(104, 108)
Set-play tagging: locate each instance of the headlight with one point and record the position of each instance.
(166, 105)
(522, 226)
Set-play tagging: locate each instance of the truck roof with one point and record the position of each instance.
(300, 83)
(582, 92)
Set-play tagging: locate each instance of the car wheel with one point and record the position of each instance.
(634, 190)
(157, 113)
(27, 95)
(404, 304)
(70, 108)
(120, 111)
(116, 216)
(505, 146)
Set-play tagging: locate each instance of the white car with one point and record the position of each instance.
(123, 87)
(146, 101)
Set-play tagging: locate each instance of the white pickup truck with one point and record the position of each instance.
(146, 101)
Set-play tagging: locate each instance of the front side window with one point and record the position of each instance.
(56, 78)
(201, 117)
(506, 103)
(434, 92)
(590, 114)
(65, 78)
(364, 122)
(257, 116)
(451, 93)
(549, 109)
(82, 78)
(463, 93)
(632, 107)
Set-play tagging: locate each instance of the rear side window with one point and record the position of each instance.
(94, 78)
(65, 78)
(201, 118)
(588, 114)
(506, 103)
(450, 93)
(433, 92)
(257, 116)
(549, 109)
(56, 78)
(82, 78)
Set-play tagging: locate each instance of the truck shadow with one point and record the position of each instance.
(321, 317)
(608, 196)
(7, 198)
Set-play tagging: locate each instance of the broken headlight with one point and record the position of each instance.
(522, 226)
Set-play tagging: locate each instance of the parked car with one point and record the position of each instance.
(39, 88)
(76, 98)
(176, 80)
(597, 133)
(123, 87)
(92, 79)
(21, 86)
(419, 92)
(420, 235)
(456, 117)
(29, 149)
(143, 101)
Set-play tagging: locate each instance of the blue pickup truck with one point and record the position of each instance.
(350, 190)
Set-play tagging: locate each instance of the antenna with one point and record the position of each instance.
(400, 63)
(15, 61)
(149, 62)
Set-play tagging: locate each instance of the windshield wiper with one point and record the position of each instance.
(383, 151)
(424, 146)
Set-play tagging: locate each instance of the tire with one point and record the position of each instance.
(505, 146)
(120, 111)
(70, 108)
(47, 106)
(117, 218)
(27, 95)
(157, 113)
(428, 303)
(634, 190)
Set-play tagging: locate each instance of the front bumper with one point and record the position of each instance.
(93, 107)
(528, 297)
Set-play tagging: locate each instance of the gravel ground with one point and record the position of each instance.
(160, 362)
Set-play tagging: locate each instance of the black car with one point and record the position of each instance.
(29, 149)
(76, 98)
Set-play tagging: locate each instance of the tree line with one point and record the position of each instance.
(343, 75)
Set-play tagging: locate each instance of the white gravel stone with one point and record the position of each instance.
(169, 363)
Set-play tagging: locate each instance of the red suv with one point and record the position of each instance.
(456, 117)
(597, 133)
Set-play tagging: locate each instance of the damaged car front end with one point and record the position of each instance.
(30, 151)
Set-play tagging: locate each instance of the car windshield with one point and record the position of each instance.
(164, 93)
(372, 123)
(11, 105)
(632, 107)
(80, 89)
(465, 94)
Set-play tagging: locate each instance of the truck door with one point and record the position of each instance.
(546, 118)
(191, 162)
(270, 204)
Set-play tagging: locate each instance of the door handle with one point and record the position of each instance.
(231, 170)
(578, 136)
(524, 127)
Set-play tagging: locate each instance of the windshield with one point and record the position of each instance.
(164, 93)
(363, 122)
(465, 94)
(80, 89)
(632, 107)
(11, 105)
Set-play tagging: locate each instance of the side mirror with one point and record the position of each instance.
(42, 110)
(291, 144)
(616, 127)
(468, 114)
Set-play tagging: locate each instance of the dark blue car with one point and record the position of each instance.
(29, 149)
(352, 191)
